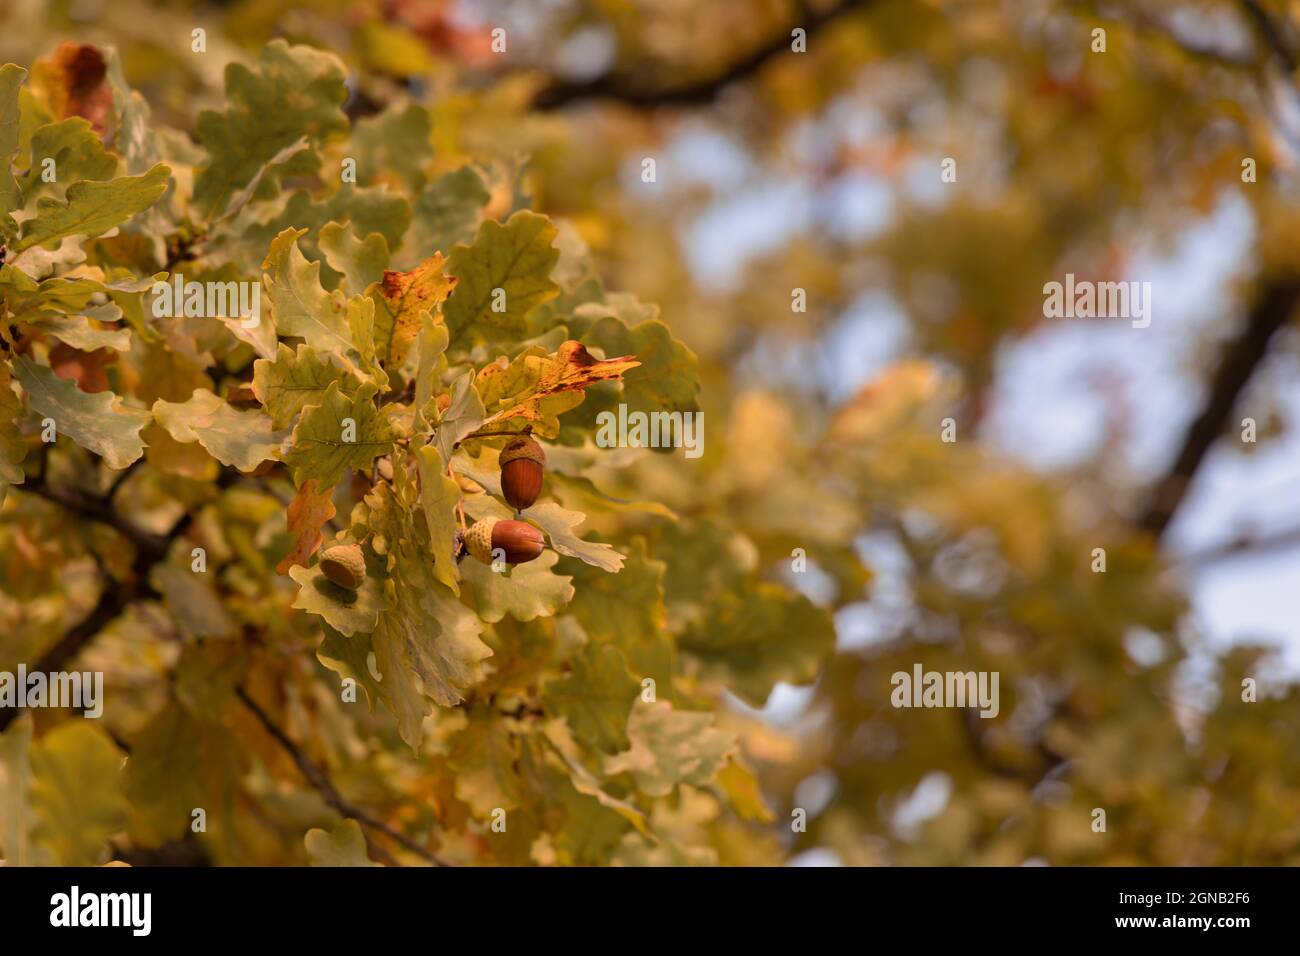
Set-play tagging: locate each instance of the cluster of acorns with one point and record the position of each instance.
(522, 461)
(516, 542)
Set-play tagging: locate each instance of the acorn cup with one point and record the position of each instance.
(522, 463)
(345, 565)
(518, 541)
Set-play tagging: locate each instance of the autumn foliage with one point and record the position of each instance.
(382, 256)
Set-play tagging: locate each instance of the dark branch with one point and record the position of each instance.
(1245, 545)
(1236, 366)
(321, 782)
(116, 596)
(614, 86)
(1272, 33)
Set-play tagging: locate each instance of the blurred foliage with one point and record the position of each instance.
(961, 558)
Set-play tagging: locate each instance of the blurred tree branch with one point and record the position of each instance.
(1245, 544)
(320, 781)
(1237, 364)
(1272, 31)
(116, 596)
(613, 86)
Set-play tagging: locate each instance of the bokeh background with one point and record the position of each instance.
(821, 170)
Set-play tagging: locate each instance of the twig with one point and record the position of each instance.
(116, 596)
(321, 782)
(526, 430)
(613, 86)
(1238, 547)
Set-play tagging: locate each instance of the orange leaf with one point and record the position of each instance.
(519, 389)
(308, 512)
(87, 369)
(73, 83)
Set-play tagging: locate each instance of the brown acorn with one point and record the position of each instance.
(519, 541)
(345, 565)
(522, 462)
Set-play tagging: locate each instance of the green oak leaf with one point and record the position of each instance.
(671, 747)
(558, 524)
(242, 439)
(447, 211)
(77, 793)
(394, 145)
(754, 639)
(517, 258)
(349, 657)
(92, 208)
(294, 380)
(626, 610)
(348, 612)
(366, 209)
(11, 196)
(94, 421)
(179, 762)
(294, 91)
(668, 378)
(596, 697)
(525, 592)
(345, 845)
(463, 415)
(340, 433)
(299, 304)
(439, 494)
(428, 636)
(283, 161)
(76, 151)
(361, 325)
(584, 781)
(427, 646)
(80, 332)
(484, 754)
(193, 602)
(430, 365)
(361, 261)
(635, 850)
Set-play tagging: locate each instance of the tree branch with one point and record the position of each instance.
(1236, 366)
(1236, 547)
(613, 86)
(321, 782)
(1272, 33)
(116, 596)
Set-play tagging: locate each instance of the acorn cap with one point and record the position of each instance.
(478, 539)
(522, 446)
(345, 565)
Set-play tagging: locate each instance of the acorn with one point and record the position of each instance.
(344, 565)
(522, 461)
(518, 540)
